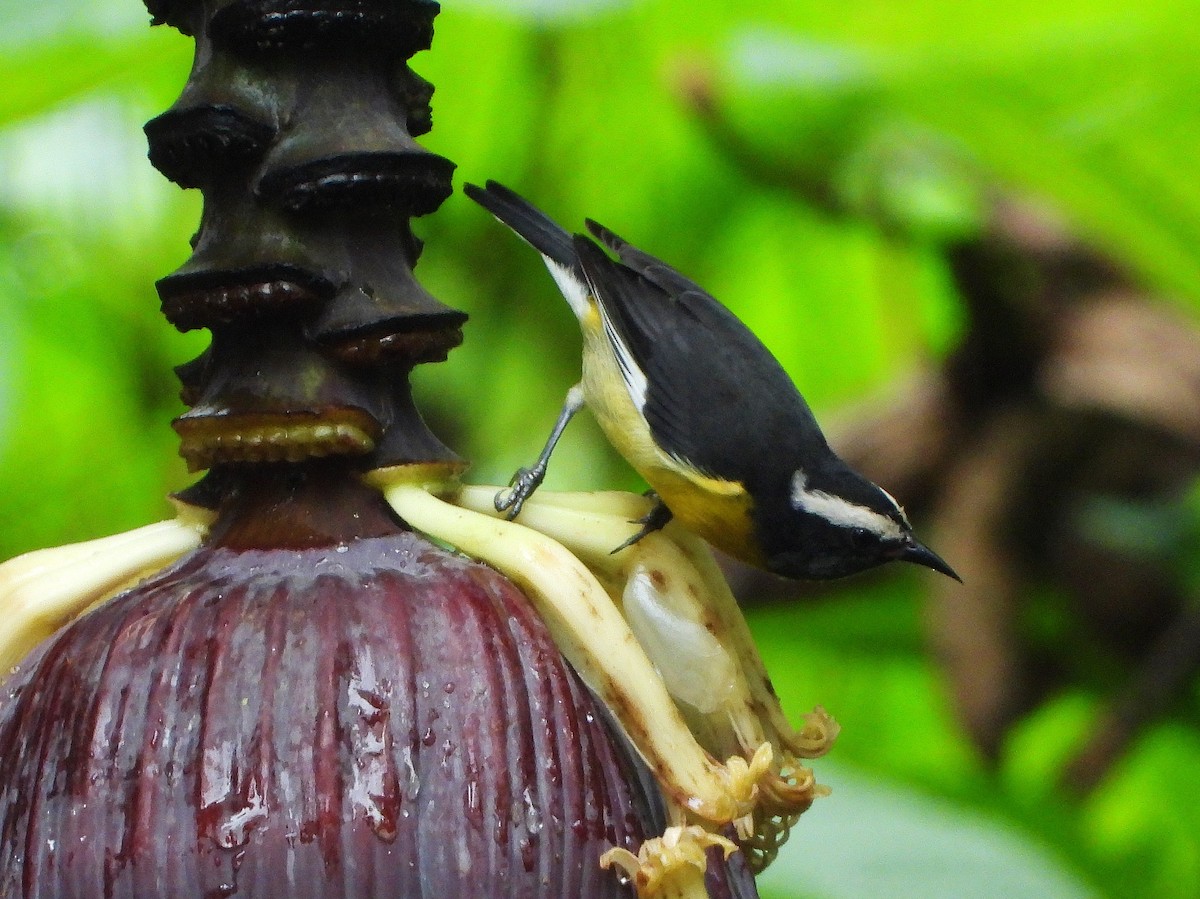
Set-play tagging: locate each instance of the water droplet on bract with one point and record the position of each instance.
(235, 819)
(412, 781)
(474, 809)
(341, 548)
(528, 858)
(533, 818)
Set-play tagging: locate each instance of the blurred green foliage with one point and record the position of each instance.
(1088, 103)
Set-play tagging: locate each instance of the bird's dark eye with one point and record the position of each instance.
(861, 538)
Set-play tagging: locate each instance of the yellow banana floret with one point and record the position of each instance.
(671, 866)
(652, 583)
(820, 730)
(677, 603)
(674, 578)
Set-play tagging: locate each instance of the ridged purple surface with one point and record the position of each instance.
(380, 719)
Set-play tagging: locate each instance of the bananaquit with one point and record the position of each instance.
(704, 412)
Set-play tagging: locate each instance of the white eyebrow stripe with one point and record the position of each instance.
(840, 512)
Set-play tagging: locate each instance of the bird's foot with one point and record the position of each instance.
(520, 488)
(654, 520)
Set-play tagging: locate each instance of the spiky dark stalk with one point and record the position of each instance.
(297, 125)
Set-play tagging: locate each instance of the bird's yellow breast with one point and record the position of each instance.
(715, 509)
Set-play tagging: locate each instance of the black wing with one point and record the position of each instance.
(715, 396)
(652, 269)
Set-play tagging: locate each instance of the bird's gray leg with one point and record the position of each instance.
(654, 520)
(527, 480)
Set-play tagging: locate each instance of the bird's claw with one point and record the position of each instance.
(654, 520)
(520, 488)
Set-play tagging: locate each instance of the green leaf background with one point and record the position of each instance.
(1088, 104)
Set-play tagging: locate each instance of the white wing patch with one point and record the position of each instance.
(631, 373)
(635, 378)
(841, 512)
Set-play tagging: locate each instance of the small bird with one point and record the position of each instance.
(704, 412)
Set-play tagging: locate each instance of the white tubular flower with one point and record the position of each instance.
(45, 589)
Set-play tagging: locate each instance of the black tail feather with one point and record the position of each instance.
(614, 242)
(530, 223)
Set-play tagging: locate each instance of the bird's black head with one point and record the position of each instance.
(834, 523)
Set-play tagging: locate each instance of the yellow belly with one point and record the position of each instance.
(717, 510)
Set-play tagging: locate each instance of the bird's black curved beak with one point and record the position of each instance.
(912, 551)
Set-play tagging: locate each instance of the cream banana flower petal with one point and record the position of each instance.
(672, 579)
(596, 640)
(677, 603)
(45, 589)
